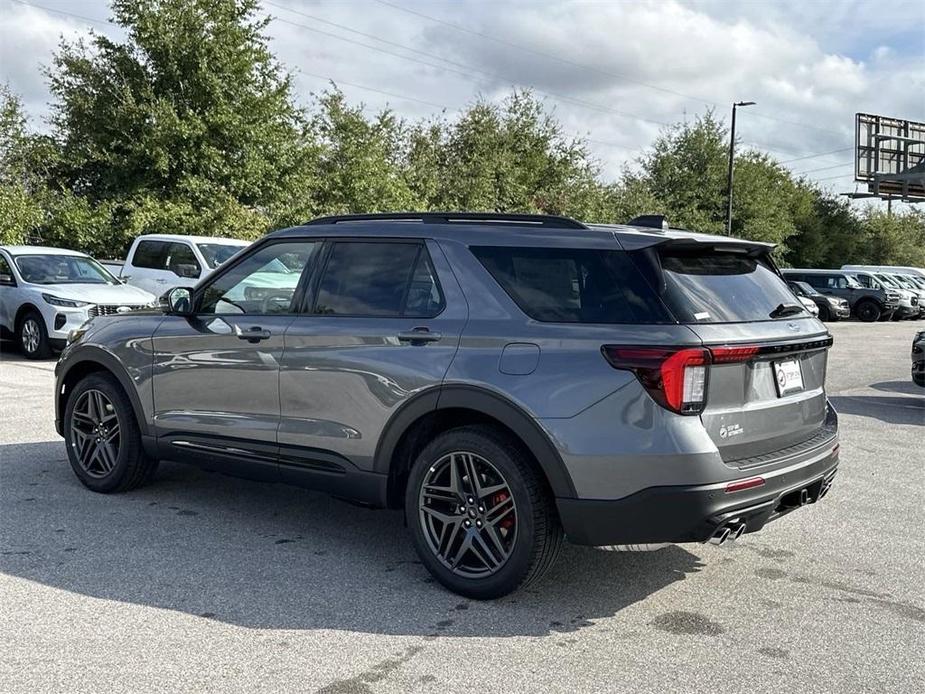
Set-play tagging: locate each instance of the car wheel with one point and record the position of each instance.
(33, 336)
(102, 437)
(482, 520)
(824, 314)
(868, 311)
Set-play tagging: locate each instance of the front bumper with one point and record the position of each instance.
(693, 513)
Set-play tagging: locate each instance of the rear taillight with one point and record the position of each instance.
(676, 378)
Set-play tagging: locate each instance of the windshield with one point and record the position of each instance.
(806, 289)
(917, 281)
(62, 269)
(724, 287)
(889, 281)
(217, 253)
(903, 282)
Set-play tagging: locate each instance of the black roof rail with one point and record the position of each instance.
(654, 221)
(538, 220)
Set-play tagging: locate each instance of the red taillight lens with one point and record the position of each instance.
(676, 378)
(742, 485)
(728, 355)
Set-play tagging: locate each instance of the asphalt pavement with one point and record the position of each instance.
(201, 582)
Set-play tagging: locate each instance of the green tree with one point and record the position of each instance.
(20, 210)
(188, 125)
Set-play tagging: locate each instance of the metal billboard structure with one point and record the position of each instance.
(890, 158)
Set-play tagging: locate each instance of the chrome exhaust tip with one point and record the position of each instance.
(720, 536)
(737, 533)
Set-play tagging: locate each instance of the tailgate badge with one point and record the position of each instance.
(727, 431)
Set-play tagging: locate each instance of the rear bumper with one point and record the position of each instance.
(693, 513)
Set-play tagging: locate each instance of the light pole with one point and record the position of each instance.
(732, 147)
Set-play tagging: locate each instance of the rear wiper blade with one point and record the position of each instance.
(784, 310)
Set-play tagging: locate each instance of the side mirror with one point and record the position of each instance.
(185, 270)
(178, 301)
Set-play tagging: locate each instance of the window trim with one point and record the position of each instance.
(300, 289)
(309, 306)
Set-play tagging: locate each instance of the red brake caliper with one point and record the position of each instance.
(508, 521)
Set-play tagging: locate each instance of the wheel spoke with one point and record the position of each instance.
(468, 514)
(107, 456)
(96, 433)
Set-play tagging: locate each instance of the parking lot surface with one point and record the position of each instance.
(201, 582)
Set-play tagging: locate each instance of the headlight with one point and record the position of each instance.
(66, 303)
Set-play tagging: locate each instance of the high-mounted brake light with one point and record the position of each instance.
(675, 378)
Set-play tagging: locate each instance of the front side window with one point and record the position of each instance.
(264, 283)
(62, 269)
(181, 260)
(573, 285)
(6, 273)
(378, 279)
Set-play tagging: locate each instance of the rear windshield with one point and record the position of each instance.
(574, 285)
(723, 287)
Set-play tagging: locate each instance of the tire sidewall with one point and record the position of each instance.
(519, 562)
(129, 439)
(868, 312)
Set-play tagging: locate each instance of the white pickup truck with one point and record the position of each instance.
(158, 262)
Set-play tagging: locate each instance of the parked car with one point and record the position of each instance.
(157, 262)
(828, 308)
(908, 301)
(911, 285)
(895, 269)
(918, 358)
(866, 303)
(507, 380)
(47, 292)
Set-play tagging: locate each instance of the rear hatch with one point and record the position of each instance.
(765, 386)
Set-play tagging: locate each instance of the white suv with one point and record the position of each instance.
(158, 262)
(47, 292)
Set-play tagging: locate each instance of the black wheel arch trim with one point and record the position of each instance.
(507, 413)
(96, 355)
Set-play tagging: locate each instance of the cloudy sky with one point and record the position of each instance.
(615, 72)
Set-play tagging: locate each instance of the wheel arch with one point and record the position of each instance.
(21, 312)
(447, 407)
(95, 360)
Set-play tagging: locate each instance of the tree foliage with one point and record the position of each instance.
(188, 125)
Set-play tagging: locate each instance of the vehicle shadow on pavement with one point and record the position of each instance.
(891, 410)
(276, 557)
(906, 386)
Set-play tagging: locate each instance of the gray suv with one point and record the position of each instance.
(867, 303)
(507, 380)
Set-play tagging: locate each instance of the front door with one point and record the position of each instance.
(216, 373)
(382, 324)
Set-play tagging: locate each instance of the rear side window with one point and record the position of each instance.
(151, 254)
(718, 287)
(388, 280)
(573, 285)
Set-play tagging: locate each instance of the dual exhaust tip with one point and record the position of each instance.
(728, 532)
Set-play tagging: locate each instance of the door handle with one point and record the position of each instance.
(419, 336)
(255, 334)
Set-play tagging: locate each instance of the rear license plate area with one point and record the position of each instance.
(788, 376)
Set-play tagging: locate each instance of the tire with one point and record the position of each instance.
(123, 464)
(524, 524)
(825, 315)
(867, 311)
(32, 336)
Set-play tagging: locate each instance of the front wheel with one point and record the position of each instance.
(481, 518)
(33, 336)
(868, 311)
(102, 437)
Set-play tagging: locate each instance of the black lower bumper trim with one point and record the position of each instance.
(691, 514)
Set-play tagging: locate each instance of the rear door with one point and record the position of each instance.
(382, 324)
(766, 385)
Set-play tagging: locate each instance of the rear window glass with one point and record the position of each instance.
(718, 287)
(573, 285)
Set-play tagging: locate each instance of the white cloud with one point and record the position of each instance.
(808, 63)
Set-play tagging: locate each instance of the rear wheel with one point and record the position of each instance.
(102, 437)
(481, 518)
(33, 336)
(825, 314)
(868, 311)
